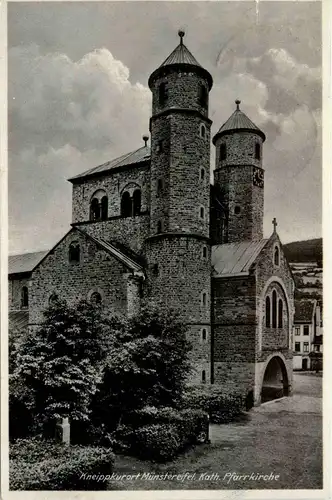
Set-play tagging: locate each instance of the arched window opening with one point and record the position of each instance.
(126, 205)
(94, 209)
(204, 298)
(137, 202)
(104, 207)
(201, 212)
(204, 252)
(202, 131)
(237, 210)
(95, 299)
(257, 151)
(159, 227)
(276, 256)
(203, 376)
(159, 186)
(203, 96)
(280, 314)
(163, 94)
(267, 312)
(223, 152)
(204, 334)
(53, 299)
(24, 297)
(274, 309)
(74, 252)
(202, 174)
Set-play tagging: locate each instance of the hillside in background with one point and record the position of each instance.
(305, 251)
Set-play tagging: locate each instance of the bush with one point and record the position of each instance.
(45, 465)
(161, 433)
(220, 407)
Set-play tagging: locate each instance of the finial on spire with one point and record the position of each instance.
(275, 223)
(237, 102)
(181, 34)
(145, 139)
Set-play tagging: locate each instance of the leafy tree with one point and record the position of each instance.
(148, 363)
(61, 363)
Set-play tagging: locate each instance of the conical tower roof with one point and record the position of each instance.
(238, 121)
(181, 57)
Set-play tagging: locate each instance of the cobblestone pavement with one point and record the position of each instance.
(281, 437)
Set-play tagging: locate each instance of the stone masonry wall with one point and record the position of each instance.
(15, 286)
(96, 271)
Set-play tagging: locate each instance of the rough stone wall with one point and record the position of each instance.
(96, 271)
(129, 231)
(15, 286)
(114, 184)
(234, 176)
(178, 275)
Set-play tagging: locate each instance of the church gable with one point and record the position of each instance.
(91, 273)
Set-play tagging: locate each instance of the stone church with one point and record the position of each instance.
(151, 225)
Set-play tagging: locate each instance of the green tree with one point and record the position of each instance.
(61, 363)
(148, 364)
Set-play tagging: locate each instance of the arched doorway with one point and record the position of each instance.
(275, 382)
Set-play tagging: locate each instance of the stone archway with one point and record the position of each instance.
(275, 380)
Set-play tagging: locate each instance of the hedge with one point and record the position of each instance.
(45, 465)
(159, 434)
(211, 399)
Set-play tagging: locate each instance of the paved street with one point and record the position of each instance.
(283, 437)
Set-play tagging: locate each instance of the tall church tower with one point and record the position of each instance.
(178, 250)
(238, 192)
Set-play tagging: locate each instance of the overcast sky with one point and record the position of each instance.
(78, 96)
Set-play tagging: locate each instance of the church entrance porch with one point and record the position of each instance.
(275, 382)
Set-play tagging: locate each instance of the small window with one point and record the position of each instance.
(74, 252)
(306, 330)
(24, 297)
(104, 207)
(305, 346)
(137, 202)
(94, 209)
(202, 175)
(203, 376)
(276, 256)
(159, 227)
(297, 330)
(204, 299)
(204, 335)
(95, 299)
(201, 212)
(297, 347)
(202, 131)
(257, 151)
(126, 205)
(223, 152)
(203, 96)
(280, 314)
(204, 252)
(274, 309)
(237, 210)
(160, 186)
(53, 299)
(163, 94)
(160, 147)
(267, 312)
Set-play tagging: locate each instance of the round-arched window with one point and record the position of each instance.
(95, 298)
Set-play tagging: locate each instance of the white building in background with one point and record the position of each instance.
(307, 333)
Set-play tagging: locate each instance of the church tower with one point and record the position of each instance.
(238, 192)
(178, 250)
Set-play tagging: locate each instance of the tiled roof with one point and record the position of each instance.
(24, 263)
(180, 55)
(135, 157)
(18, 320)
(238, 121)
(232, 259)
(304, 310)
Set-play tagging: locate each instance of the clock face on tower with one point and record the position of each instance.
(258, 177)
